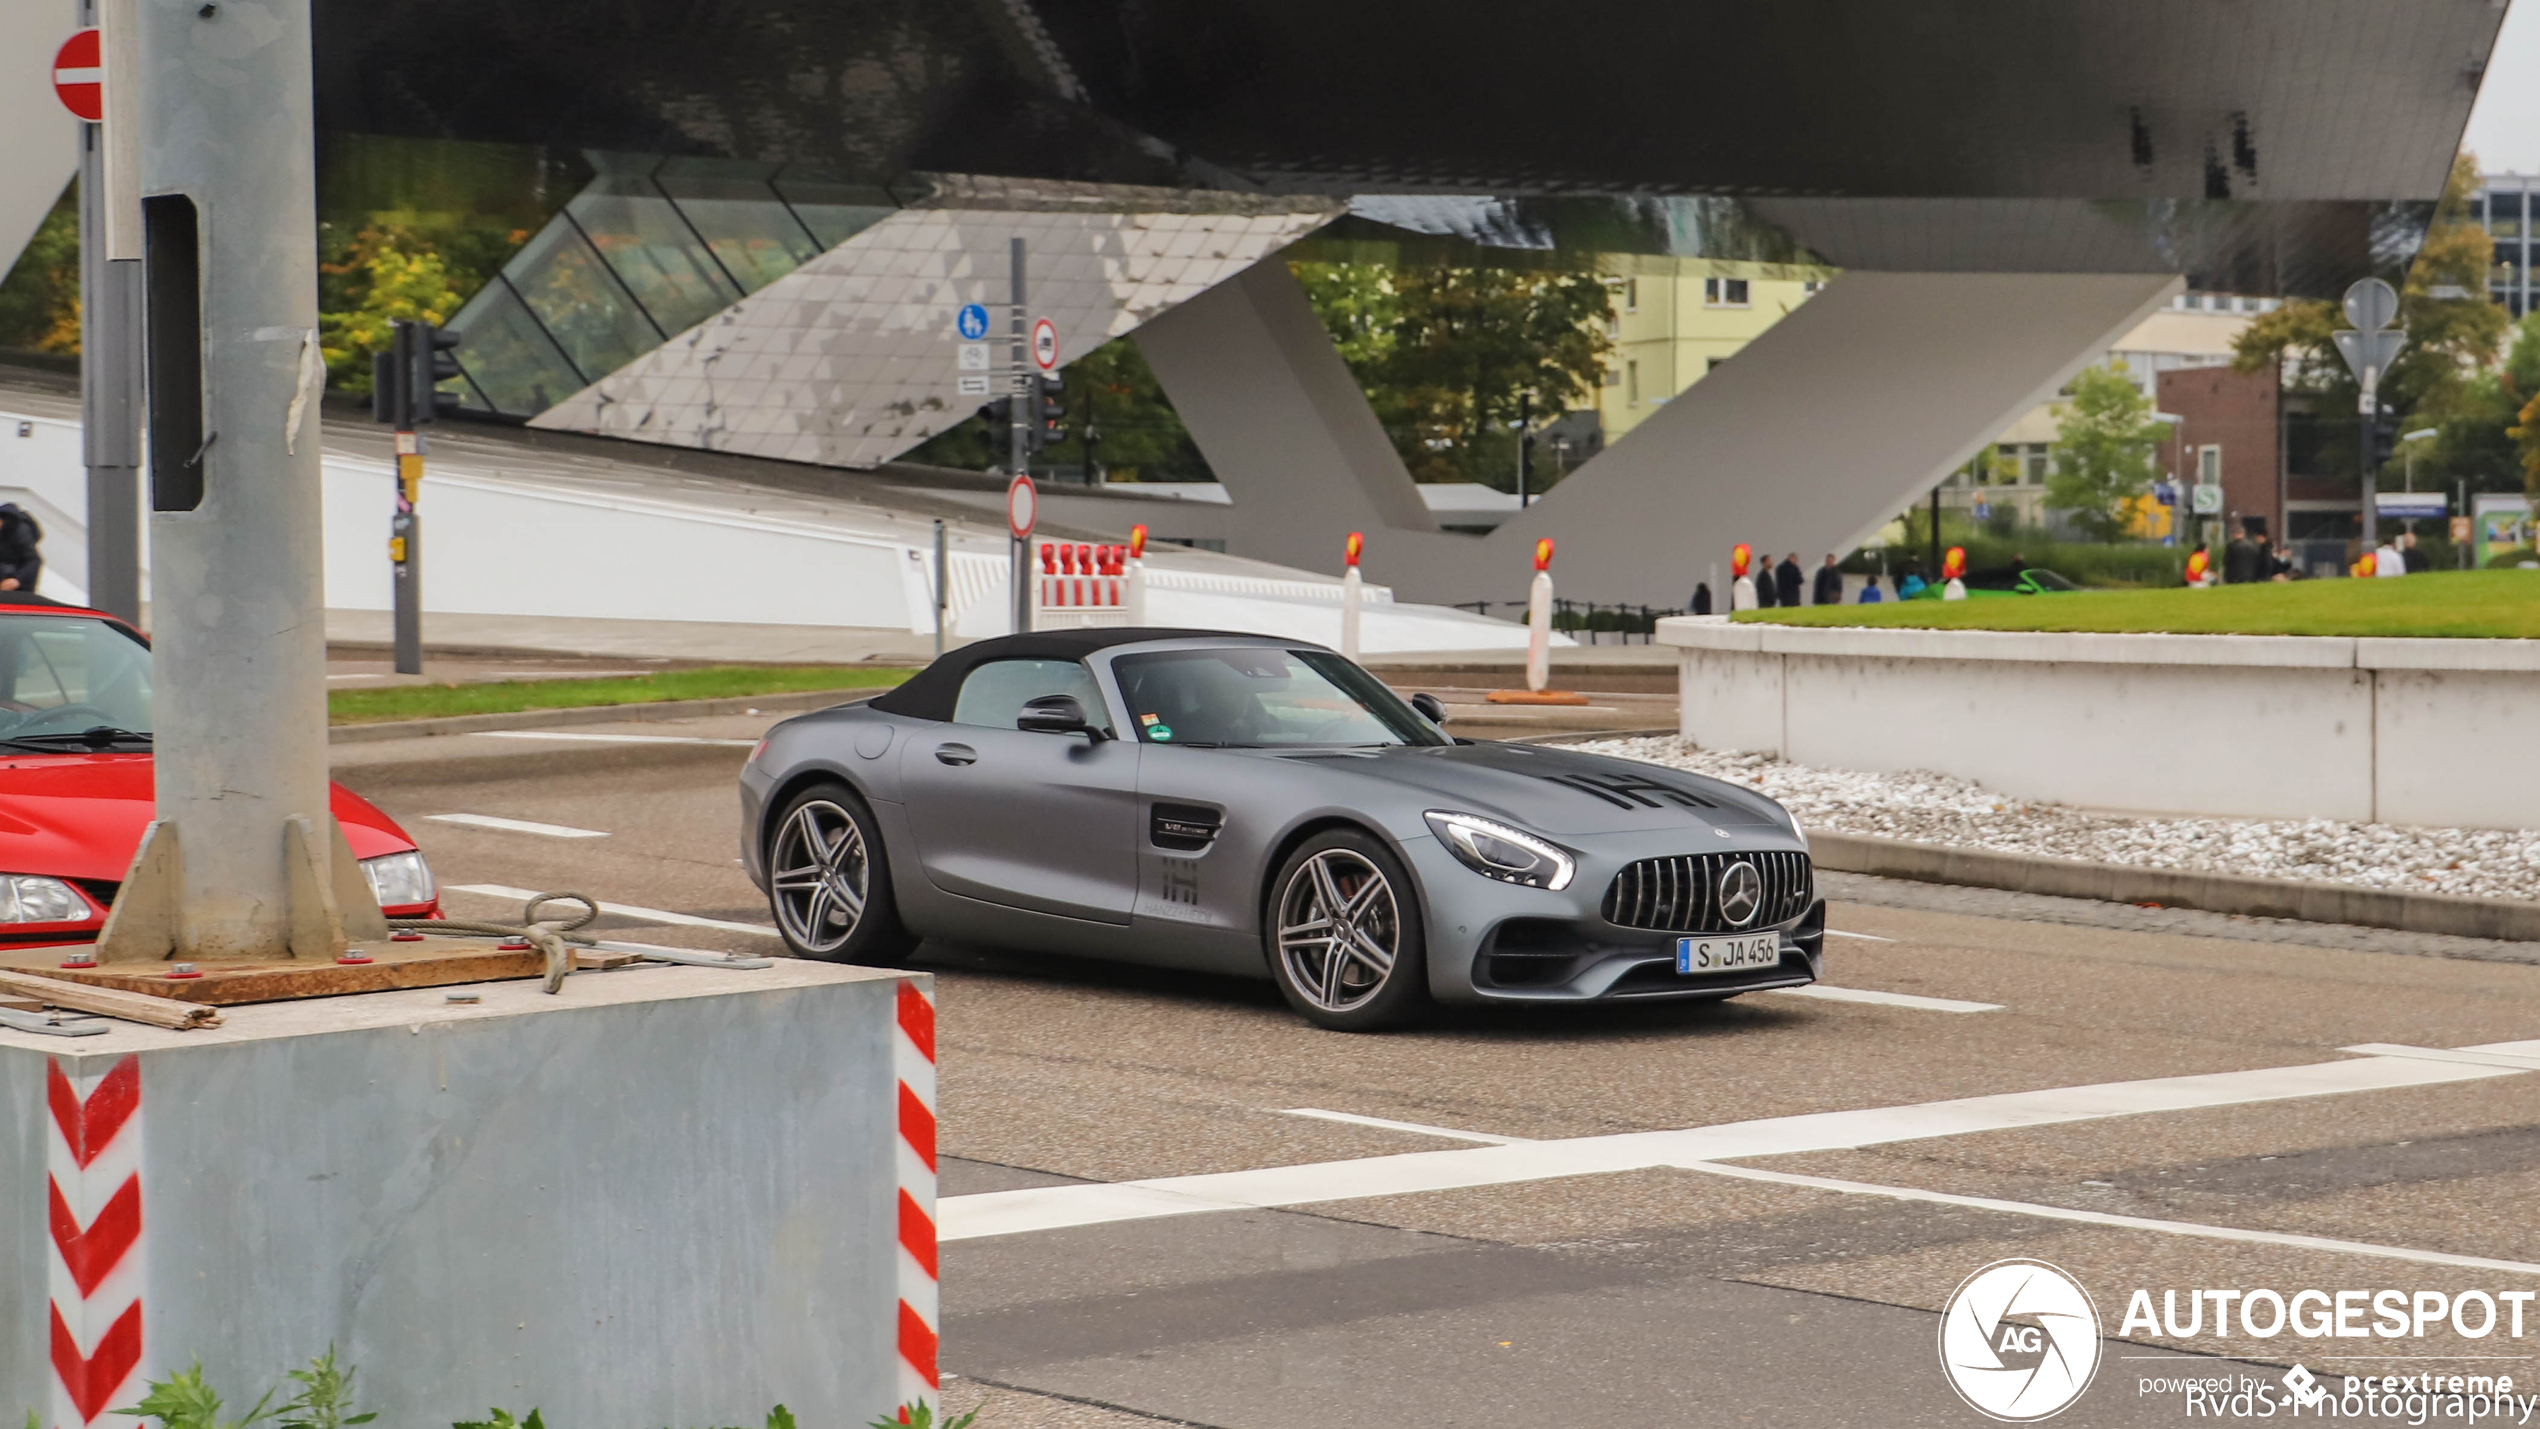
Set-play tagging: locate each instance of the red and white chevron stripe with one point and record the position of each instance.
(913, 1060)
(94, 1155)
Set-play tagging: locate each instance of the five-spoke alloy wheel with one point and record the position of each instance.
(828, 881)
(1344, 933)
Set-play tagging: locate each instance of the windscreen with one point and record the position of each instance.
(1261, 698)
(66, 674)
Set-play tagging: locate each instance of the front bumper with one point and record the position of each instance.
(1492, 942)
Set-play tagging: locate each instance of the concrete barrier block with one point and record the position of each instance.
(1731, 699)
(2457, 747)
(668, 1195)
(2387, 653)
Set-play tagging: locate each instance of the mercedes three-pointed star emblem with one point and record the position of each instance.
(1741, 893)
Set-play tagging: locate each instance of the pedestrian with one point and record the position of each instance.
(1911, 585)
(1764, 596)
(20, 560)
(1701, 598)
(2200, 569)
(1793, 581)
(2240, 560)
(2387, 561)
(1870, 592)
(2418, 562)
(1829, 584)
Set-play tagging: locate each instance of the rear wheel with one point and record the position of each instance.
(1344, 934)
(829, 881)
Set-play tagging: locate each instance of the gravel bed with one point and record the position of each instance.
(1942, 809)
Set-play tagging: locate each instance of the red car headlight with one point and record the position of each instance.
(29, 898)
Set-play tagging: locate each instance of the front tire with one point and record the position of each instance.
(1344, 934)
(829, 881)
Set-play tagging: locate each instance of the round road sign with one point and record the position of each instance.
(2370, 304)
(973, 321)
(1022, 507)
(79, 76)
(1045, 344)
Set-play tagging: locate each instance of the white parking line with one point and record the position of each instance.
(1052, 1207)
(2102, 1218)
(622, 910)
(1380, 1123)
(609, 738)
(517, 826)
(2466, 1056)
(1863, 937)
(1887, 999)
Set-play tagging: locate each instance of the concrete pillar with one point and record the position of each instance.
(1821, 429)
(237, 605)
(1255, 377)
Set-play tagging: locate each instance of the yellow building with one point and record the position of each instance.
(1669, 329)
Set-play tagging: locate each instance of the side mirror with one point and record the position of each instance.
(1057, 714)
(1431, 708)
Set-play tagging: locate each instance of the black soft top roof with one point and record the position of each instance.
(929, 693)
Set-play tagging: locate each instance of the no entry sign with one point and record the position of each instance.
(1022, 506)
(79, 75)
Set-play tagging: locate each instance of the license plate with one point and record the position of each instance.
(1714, 955)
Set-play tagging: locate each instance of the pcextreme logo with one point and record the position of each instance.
(2019, 1341)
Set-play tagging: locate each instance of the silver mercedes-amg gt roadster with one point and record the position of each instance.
(1264, 807)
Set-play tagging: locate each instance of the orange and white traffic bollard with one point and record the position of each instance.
(1953, 567)
(1136, 596)
(1539, 619)
(1742, 589)
(1353, 590)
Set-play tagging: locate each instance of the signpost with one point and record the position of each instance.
(1045, 344)
(1022, 512)
(2369, 348)
(110, 312)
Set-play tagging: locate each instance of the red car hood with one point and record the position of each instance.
(81, 815)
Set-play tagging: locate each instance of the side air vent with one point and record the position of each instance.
(1184, 828)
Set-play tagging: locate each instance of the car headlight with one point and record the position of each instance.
(398, 880)
(25, 898)
(1494, 850)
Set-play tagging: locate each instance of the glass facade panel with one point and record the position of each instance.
(570, 291)
(650, 247)
(512, 366)
(833, 212)
(746, 226)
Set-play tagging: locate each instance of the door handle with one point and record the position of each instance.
(956, 754)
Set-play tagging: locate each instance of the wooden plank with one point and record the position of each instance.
(110, 1002)
(231, 984)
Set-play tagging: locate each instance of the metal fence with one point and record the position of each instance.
(1584, 621)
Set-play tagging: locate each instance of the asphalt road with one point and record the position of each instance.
(1588, 1258)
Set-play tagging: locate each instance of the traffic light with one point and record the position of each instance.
(998, 414)
(405, 379)
(1049, 413)
(2384, 430)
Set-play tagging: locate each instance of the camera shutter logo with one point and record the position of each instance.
(2019, 1341)
(1741, 893)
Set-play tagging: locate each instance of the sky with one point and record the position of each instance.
(2504, 128)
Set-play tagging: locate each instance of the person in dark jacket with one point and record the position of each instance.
(2241, 560)
(1701, 598)
(1764, 597)
(1793, 581)
(1829, 589)
(20, 560)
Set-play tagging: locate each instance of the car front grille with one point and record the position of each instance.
(1681, 894)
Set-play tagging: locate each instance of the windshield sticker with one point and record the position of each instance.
(1159, 732)
(1150, 719)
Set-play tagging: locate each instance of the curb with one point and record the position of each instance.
(2180, 888)
(790, 702)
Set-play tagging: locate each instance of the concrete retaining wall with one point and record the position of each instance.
(664, 1196)
(2440, 732)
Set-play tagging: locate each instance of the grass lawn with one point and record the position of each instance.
(2456, 603)
(505, 696)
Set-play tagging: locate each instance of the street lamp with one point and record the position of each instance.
(2409, 440)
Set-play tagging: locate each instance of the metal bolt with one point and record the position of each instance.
(466, 997)
(183, 970)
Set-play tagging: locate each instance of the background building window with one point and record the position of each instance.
(2209, 466)
(1631, 384)
(1631, 295)
(1724, 293)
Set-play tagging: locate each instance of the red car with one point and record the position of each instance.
(75, 779)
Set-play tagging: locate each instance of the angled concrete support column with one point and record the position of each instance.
(1819, 430)
(1255, 377)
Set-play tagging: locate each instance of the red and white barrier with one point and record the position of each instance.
(93, 1155)
(1081, 584)
(913, 1062)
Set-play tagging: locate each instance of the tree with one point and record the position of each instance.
(39, 301)
(1444, 354)
(2105, 440)
(392, 276)
(2450, 339)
